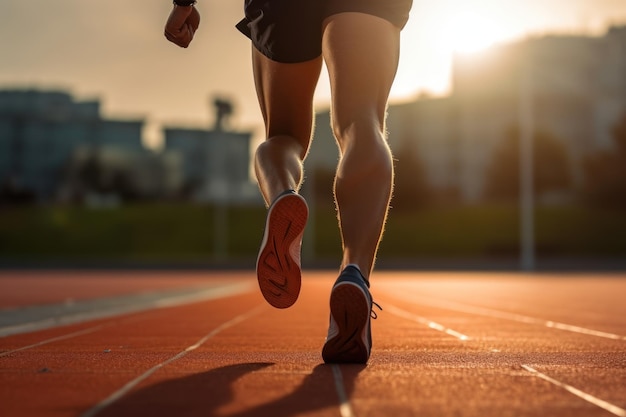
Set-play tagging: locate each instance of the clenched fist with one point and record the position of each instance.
(182, 24)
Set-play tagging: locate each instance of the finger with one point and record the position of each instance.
(177, 19)
(175, 36)
(194, 19)
(188, 36)
(182, 39)
(170, 37)
(183, 43)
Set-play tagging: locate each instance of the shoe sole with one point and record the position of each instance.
(278, 272)
(350, 310)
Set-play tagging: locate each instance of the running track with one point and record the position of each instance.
(206, 344)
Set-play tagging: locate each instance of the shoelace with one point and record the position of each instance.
(373, 314)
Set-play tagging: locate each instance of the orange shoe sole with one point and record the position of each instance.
(278, 264)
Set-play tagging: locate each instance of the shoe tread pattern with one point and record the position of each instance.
(278, 264)
(351, 312)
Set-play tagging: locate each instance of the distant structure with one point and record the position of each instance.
(41, 130)
(223, 111)
(215, 164)
(578, 90)
(53, 148)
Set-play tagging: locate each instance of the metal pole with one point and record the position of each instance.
(220, 225)
(526, 131)
(220, 195)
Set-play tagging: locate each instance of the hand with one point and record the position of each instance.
(182, 24)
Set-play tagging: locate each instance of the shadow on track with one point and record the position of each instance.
(204, 394)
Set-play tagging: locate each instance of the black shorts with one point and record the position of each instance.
(291, 30)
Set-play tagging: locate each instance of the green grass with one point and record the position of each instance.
(185, 233)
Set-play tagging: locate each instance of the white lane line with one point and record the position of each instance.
(344, 404)
(57, 339)
(587, 397)
(132, 384)
(423, 320)
(488, 312)
(128, 307)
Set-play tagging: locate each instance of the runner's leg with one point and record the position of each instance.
(361, 52)
(285, 93)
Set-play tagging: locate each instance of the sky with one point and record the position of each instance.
(115, 51)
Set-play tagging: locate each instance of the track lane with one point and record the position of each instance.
(554, 296)
(129, 386)
(611, 408)
(270, 364)
(277, 372)
(36, 288)
(514, 342)
(105, 359)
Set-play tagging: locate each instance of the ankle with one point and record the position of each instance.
(367, 282)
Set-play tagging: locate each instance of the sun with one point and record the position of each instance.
(469, 32)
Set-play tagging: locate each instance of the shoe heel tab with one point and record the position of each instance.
(358, 271)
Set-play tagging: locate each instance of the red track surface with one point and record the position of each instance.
(446, 345)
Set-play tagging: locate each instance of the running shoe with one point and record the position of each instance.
(349, 337)
(278, 263)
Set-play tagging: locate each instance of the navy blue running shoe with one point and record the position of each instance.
(278, 263)
(349, 337)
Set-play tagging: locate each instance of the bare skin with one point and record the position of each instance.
(361, 52)
(361, 70)
(285, 93)
(181, 25)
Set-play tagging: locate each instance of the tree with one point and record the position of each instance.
(551, 167)
(411, 188)
(605, 172)
(91, 174)
(323, 179)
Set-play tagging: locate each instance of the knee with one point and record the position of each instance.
(366, 132)
(364, 150)
(280, 145)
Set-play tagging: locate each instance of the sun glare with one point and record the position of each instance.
(469, 32)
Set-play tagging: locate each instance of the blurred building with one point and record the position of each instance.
(55, 147)
(572, 85)
(577, 90)
(41, 130)
(109, 175)
(215, 164)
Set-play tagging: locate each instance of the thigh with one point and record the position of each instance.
(361, 52)
(394, 11)
(285, 93)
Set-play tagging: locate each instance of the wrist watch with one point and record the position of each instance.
(184, 2)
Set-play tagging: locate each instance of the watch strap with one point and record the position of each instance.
(184, 3)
